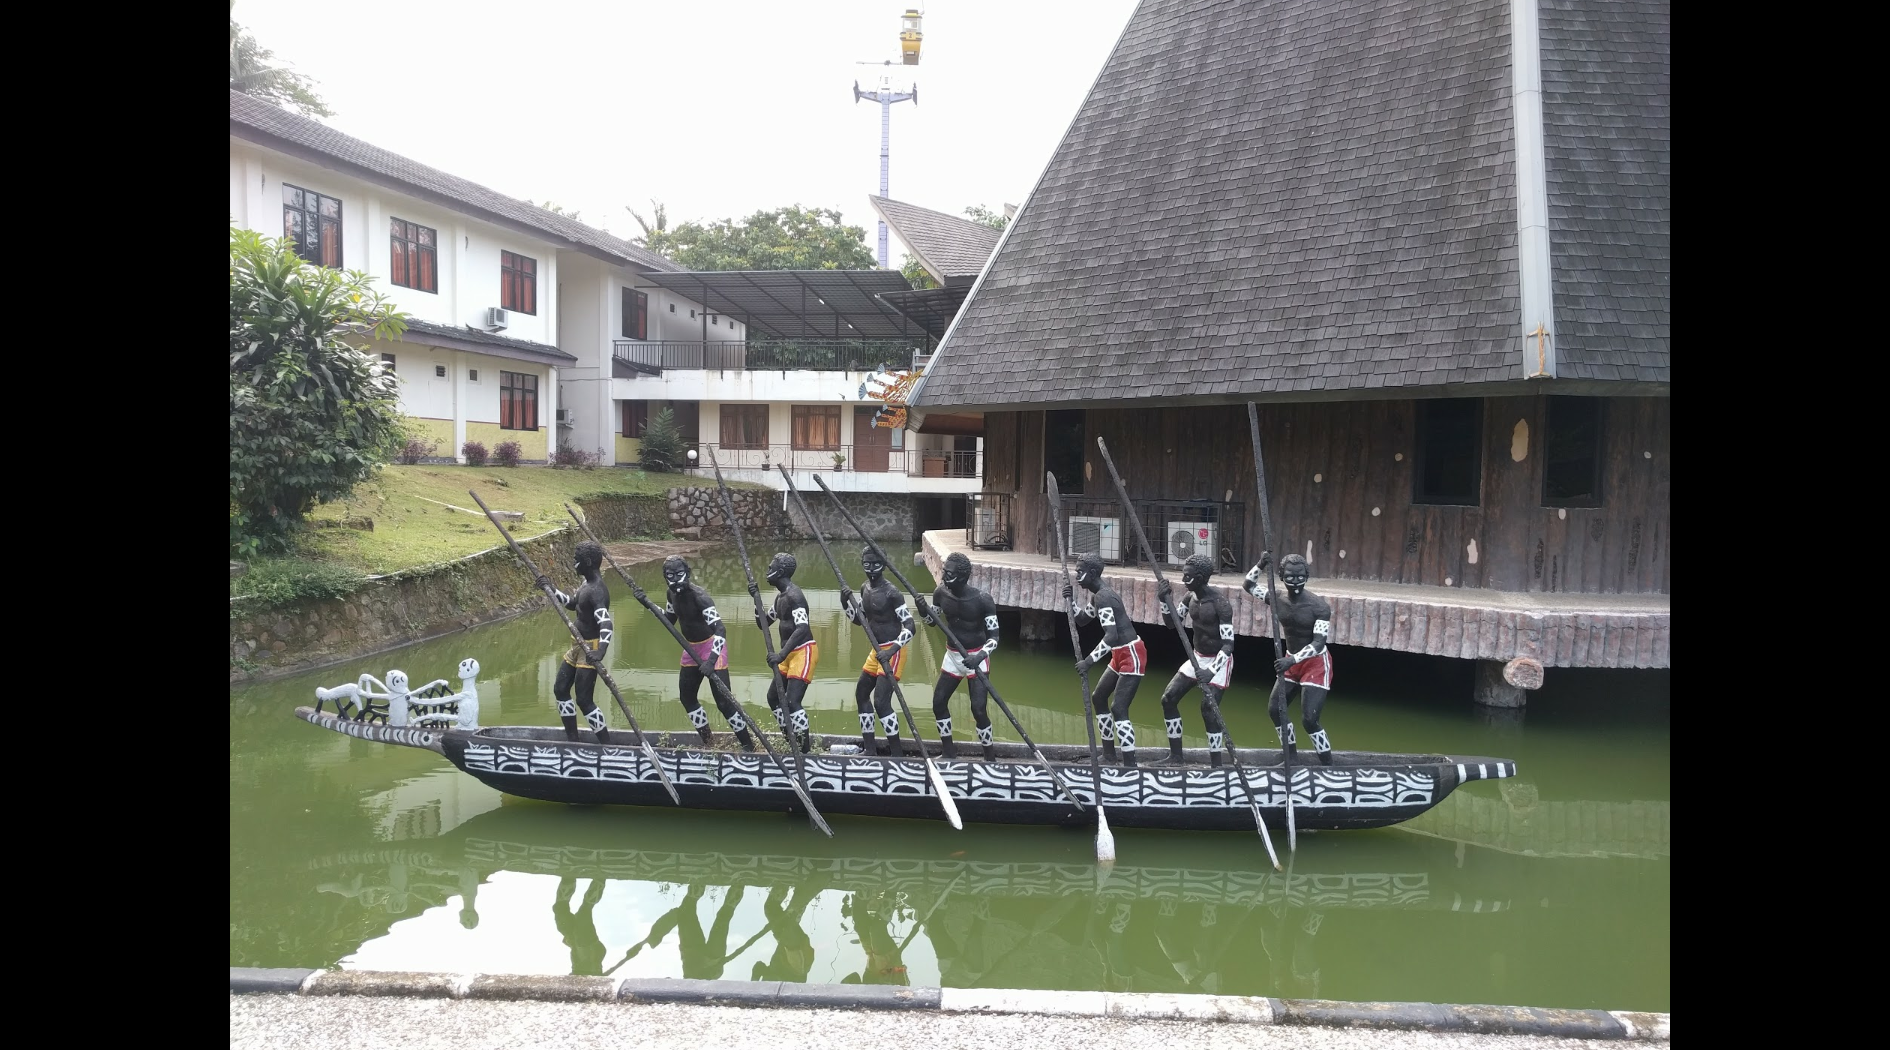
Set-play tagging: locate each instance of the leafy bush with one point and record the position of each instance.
(416, 449)
(572, 457)
(474, 452)
(282, 581)
(662, 442)
(311, 415)
(507, 453)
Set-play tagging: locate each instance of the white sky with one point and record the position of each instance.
(717, 108)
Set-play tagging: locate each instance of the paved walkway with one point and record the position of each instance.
(262, 1021)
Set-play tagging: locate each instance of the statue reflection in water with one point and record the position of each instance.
(578, 928)
(703, 956)
(793, 950)
(872, 913)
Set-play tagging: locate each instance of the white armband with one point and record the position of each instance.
(989, 646)
(1162, 607)
(990, 623)
(1101, 651)
(1311, 650)
(905, 635)
(564, 599)
(1322, 628)
(1227, 632)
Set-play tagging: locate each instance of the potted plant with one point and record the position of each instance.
(839, 459)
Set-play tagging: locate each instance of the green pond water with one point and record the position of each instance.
(1550, 889)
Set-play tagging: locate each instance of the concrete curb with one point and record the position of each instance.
(1147, 1006)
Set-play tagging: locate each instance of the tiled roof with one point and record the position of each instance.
(425, 331)
(260, 122)
(946, 245)
(1290, 197)
(1607, 130)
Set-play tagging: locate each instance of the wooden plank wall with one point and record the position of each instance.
(1339, 474)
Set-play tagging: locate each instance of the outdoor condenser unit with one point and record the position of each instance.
(1189, 538)
(1098, 536)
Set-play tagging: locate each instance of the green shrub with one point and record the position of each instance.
(283, 581)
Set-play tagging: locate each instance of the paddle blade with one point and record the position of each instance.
(812, 813)
(661, 773)
(1292, 832)
(944, 796)
(1260, 822)
(1105, 842)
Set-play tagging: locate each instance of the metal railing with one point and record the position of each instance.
(762, 355)
(1176, 529)
(872, 459)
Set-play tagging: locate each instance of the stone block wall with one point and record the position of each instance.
(616, 518)
(758, 511)
(884, 515)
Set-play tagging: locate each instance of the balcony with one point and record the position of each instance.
(869, 459)
(766, 355)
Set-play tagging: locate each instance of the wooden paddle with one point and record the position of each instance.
(931, 770)
(1036, 752)
(715, 684)
(1200, 675)
(1279, 643)
(1105, 842)
(604, 675)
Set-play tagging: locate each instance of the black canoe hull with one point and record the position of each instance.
(1360, 790)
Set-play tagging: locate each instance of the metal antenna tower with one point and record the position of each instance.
(885, 96)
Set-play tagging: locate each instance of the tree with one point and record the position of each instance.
(790, 238)
(981, 214)
(660, 225)
(311, 415)
(916, 274)
(662, 442)
(557, 209)
(257, 73)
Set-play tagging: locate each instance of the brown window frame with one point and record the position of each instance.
(518, 282)
(413, 260)
(811, 423)
(518, 401)
(741, 437)
(326, 242)
(636, 314)
(636, 416)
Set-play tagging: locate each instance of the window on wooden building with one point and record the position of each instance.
(1571, 452)
(518, 283)
(636, 314)
(413, 254)
(744, 426)
(817, 428)
(1064, 442)
(636, 416)
(312, 222)
(1448, 469)
(518, 401)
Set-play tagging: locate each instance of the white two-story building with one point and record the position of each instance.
(529, 326)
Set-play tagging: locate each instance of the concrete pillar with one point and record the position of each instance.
(1037, 626)
(1492, 690)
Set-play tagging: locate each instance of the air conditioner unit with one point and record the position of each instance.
(984, 527)
(497, 318)
(1189, 538)
(565, 418)
(1098, 536)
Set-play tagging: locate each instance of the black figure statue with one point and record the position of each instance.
(882, 610)
(591, 603)
(1128, 657)
(692, 610)
(972, 617)
(1306, 620)
(798, 653)
(1211, 619)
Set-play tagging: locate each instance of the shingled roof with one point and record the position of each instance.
(947, 246)
(266, 125)
(1608, 141)
(1291, 199)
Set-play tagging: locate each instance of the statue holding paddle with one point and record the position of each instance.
(972, 616)
(1121, 647)
(1306, 668)
(591, 603)
(1211, 617)
(881, 609)
(705, 638)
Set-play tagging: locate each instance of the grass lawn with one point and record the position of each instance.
(412, 528)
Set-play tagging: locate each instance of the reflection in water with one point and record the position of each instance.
(1209, 918)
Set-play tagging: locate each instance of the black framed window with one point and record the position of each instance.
(636, 314)
(413, 256)
(518, 401)
(1448, 470)
(312, 222)
(387, 362)
(1064, 431)
(636, 416)
(1571, 452)
(518, 283)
